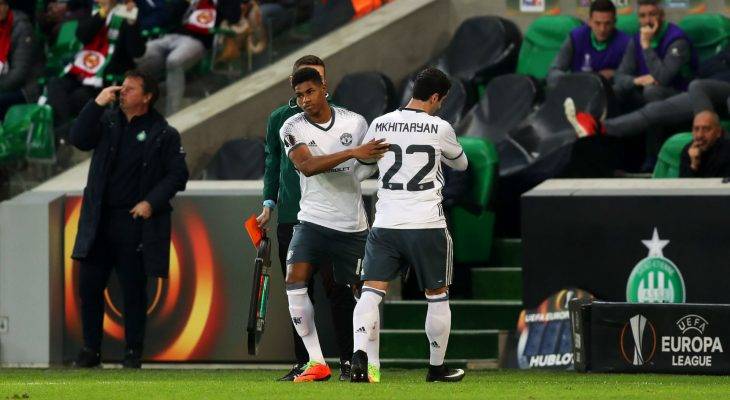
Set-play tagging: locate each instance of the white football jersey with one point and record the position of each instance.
(409, 187)
(332, 199)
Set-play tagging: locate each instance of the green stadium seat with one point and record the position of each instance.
(667, 165)
(628, 24)
(542, 43)
(29, 129)
(473, 233)
(63, 51)
(710, 33)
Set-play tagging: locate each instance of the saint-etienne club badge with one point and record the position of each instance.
(655, 279)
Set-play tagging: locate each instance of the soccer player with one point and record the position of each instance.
(409, 227)
(323, 143)
(281, 190)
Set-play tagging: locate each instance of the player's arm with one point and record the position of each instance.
(310, 165)
(453, 154)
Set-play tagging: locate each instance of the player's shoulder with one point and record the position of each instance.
(444, 125)
(349, 115)
(295, 119)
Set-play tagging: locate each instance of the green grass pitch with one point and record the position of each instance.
(110, 384)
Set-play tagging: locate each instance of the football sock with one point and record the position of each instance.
(438, 326)
(302, 316)
(365, 320)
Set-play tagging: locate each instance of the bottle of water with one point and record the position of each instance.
(586, 64)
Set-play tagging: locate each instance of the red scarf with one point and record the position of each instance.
(6, 33)
(200, 17)
(88, 63)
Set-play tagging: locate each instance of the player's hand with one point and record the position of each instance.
(373, 149)
(264, 217)
(108, 95)
(143, 210)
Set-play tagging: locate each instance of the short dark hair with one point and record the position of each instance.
(649, 3)
(429, 81)
(602, 6)
(149, 83)
(307, 60)
(305, 75)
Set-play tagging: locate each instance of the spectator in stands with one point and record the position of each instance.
(58, 12)
(660, 60)
(281, 189)
(137, 167)
(110, 44)
(152, 14)
(598, 47)
(277, 14)
(186, 44)
(708, 155)
(250, 34)
(20, 59)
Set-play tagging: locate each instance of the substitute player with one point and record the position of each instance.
(323, 143)
(409, 227)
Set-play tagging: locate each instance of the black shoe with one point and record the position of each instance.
(132, 359)
(295, 371)
(87, 358)
(345, 370)
(444, 374)
(359, 372)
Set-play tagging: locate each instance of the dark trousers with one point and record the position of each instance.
(342, 302)
(67, 96)
(117, 247)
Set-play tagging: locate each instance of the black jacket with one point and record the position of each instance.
(25, 59)
(164, 174)
(714, 163)
(130, 44)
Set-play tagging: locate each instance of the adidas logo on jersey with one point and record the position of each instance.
(312, 144)
(361, 330)
(435, 345)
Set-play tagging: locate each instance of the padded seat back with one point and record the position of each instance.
(667, 165)
(542, 43)
(710, 33)
(369, 94)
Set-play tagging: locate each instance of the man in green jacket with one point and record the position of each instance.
(282, 190)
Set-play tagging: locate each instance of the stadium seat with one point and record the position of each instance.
(453, 107)
(482, 48)
(370, 94)
(542, 43)
(29, 127)
(710, 33)
(628, 24)
(472, 232)
(549, 129)
(63, 51)
(507, 100)
(238, 159)
(667, 165)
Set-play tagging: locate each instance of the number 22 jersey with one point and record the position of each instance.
(411, 179)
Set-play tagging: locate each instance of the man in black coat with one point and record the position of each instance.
(137, 167)
(708, 155)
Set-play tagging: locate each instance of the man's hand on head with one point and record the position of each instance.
(108, 95)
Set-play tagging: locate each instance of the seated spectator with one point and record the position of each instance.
(58, 12)
(276, 14)
(111, 42)
(186, 44)
(708, 155)
(659, 62)
(152, 14)
(598, 47)
(250, 34)
(20, 59)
